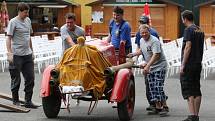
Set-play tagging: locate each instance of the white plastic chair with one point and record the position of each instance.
(138, 59)
(173, 56)
(208, 61)
(41, 53)
(208, 43)
(3, 51)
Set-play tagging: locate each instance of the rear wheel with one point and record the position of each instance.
(126, 107)
(51, 105)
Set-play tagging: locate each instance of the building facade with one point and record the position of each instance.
(45, 14)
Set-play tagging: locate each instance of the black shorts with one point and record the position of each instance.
(190, 81)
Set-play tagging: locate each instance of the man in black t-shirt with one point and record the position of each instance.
(190, 71)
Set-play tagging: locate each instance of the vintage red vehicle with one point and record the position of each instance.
(118, 79)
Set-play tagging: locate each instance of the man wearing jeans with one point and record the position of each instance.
(20, 57)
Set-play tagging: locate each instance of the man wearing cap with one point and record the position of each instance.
(145, 20)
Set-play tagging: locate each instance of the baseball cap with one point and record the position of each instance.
(144, 19)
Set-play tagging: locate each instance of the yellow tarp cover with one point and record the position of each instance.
(83, 65)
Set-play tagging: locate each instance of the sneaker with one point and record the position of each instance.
(166, 108)
(192, 118)
(163, 112)
(154, 111)
(31, 105)
(150, 108)
(17, 103)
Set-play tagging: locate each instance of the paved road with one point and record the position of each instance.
(104, 112)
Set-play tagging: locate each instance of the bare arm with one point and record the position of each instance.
(8, 44)
(70, 41)
(108, 38)
(31, 45)
(138, 48)
(66, 36)
(153, 59)
(137, 53)
(187, 51)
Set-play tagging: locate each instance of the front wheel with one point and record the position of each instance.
(126, 107)
(51, 105)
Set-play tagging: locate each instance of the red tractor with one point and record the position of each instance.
(118, 78)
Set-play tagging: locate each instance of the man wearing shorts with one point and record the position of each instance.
(190, 71)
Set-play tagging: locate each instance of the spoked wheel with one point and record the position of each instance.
(126, 107)
(52, 104)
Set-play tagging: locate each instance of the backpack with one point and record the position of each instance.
(111, 26)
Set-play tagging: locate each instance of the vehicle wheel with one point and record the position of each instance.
(126, 107)
(51, 105)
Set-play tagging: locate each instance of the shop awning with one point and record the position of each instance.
(112, 1)
(68, 2)
(171, 2)
(205, 3)
(50, 3)
(95, 2)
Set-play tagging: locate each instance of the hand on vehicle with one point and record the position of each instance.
(130, 55)
(142, 64)
(146, 70)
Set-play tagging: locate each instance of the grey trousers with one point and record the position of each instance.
(25, 65)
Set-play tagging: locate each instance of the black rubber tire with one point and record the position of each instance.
(126, 107)
(51, 105)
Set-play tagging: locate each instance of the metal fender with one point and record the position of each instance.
(45, 87)
(120, 87)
